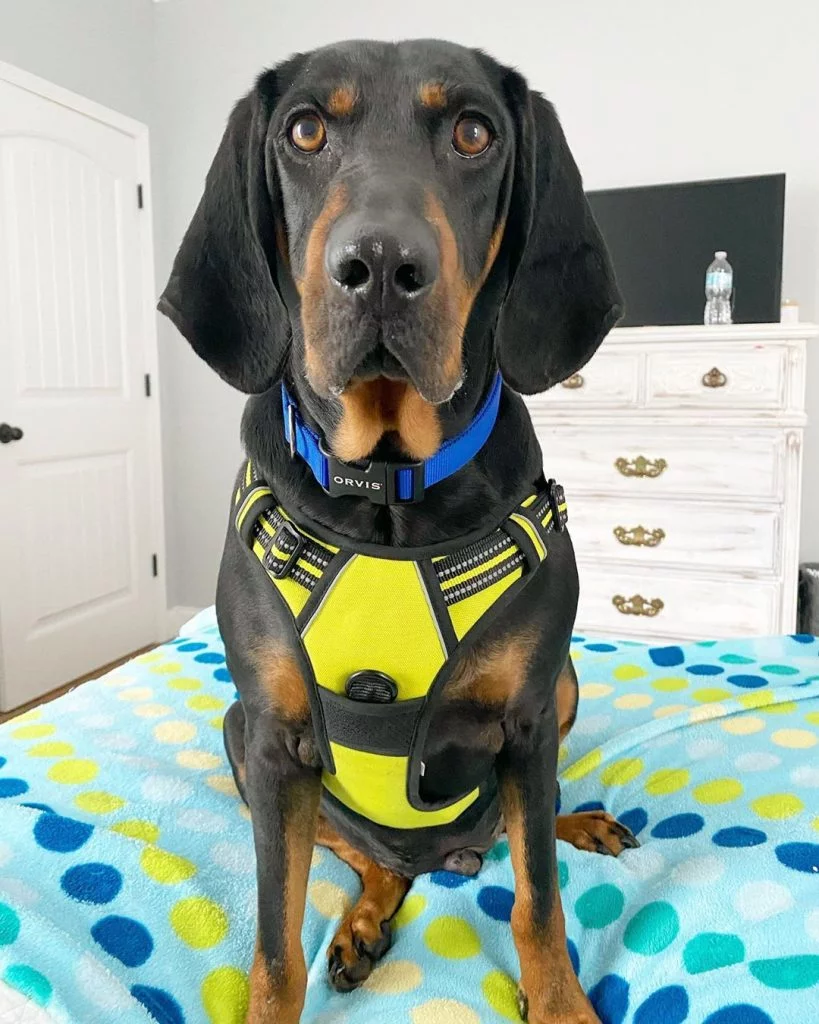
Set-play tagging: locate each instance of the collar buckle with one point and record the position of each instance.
(557, 498)
(379, 482)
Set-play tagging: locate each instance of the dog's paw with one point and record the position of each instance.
(358, 945)
(595, 831)
(582, 1015)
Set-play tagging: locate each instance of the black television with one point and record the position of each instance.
(662, 238)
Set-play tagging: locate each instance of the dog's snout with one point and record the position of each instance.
(383, 266)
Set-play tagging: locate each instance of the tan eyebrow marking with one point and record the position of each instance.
(433, 95)
(342, 100)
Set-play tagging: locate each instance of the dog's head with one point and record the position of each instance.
(382, 222)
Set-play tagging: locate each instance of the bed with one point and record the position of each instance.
(127, 871)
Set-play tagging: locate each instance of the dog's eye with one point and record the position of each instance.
(307, 133)
(471, 136)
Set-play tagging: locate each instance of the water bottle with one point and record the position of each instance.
(719, 287)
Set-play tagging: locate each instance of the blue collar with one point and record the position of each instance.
(389, 483)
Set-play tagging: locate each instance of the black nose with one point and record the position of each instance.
(385, 267)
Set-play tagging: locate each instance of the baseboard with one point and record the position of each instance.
(177, 616)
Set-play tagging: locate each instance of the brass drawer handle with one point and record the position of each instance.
(639, 536)
(638, 605)
(641, 466)
(573, 382)
(715, 378)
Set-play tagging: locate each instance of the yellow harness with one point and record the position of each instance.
(377, 627)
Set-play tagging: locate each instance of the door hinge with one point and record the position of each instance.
(140, 198)
(147, 385)
(154, 565)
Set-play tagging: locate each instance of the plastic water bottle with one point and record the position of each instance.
(719, 287)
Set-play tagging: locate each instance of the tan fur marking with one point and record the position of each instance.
(451, 297)
(494, 675)
(282, 681)
(433, 95)
(342, 100)
(312, 285)
(566, 696)
(374, 407)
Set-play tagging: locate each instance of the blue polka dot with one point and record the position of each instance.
(189, 648)
(706, 643)
(125, 939)
(160, 1004)
(739, 835)
(666, 657)
(222, 675)
(31, 983)
(496, 901)
(92, 883)
(209, 658)
(589, 805)
(636, 819)
(665, 1006)
(558, 800)
(803, 638)
(577, 639)
(574, 956)
(739, 1013)
(748, 682)
(705, 670)
(601, 648)
(448, 879)
(2, 761)
(39, 807)
(12, 787)
(61, 835)
(609, 997)
(677, 826)
(799, 857)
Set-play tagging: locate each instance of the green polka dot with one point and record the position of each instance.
(199, 922)
(781, 670)
(718, 791)
(500, 851)
(812, 717)
(710, 694)
(599, 906)
(787, 972)
(31, 983)
(167, 868)
(711, 950)
(562, 874)
(621, 772)
(652, 929)
(625, 673)
(777, 806)
(502, 994)
(53, 748)
(184, 684)
(736, 659)
(584, 766)
(204, 702)
(667, 780)
(137, 828)
(33, 732)
(412, 907)
(784, 708)
(453, 938)
(9, 925)
(670, 684)
(225, 995)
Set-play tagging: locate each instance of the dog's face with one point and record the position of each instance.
(391, 219)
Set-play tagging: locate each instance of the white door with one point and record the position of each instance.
(79, 491)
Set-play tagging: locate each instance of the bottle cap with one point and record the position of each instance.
(720, 254)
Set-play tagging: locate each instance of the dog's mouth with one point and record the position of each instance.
(379, 363)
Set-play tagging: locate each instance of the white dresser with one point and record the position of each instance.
(680, 449)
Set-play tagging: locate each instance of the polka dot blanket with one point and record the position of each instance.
(127, 870)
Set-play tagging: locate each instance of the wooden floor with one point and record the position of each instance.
(54, 694)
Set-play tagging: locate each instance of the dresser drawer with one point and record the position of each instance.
(653, 603)
(610, 379)
(679, 533)
(719, 376)
(658, 462)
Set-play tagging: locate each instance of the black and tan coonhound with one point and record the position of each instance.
(385, 227)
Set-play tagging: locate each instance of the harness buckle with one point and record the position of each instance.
(557, 497)
(374, 480)
(280, 571)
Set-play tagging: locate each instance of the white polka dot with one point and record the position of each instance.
(392, 977)
(117, 741)
(704, 749)
(196, 820)
(165, 789)
(6, 853)
(594, 691)
(759, 761)
(116, 679)
(707, 712)
(443, 1011)
(18, 1007)
(100, 986)
(643, 863)
(698, 871)
(590, 725)
(812, 924)
(97, 721)
(805, 775)
(665, 739)
(329, 899)
(237, 858)
(757, 901)
(19, 892)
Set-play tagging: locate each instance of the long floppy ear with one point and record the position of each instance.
(222, 293)
(563, 298)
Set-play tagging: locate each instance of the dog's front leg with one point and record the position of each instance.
(527, 771)
(283, 795)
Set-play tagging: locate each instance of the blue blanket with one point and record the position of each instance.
(127, 871)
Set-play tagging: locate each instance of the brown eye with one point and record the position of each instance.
(471, 137)
(307, 133)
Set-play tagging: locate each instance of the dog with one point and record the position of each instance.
(392, 246)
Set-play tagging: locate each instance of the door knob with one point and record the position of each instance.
(9, 433)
